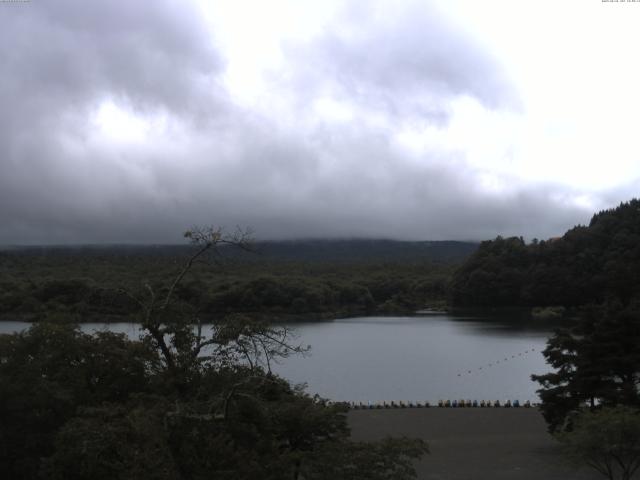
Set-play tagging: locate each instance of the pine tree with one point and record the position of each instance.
(597, 364)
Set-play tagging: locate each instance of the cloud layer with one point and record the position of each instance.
(117, 126)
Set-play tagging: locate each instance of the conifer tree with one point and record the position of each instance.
(597, 364)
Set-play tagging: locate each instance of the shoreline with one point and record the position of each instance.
(290, 317)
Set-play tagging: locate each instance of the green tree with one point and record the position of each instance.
(597, 363)
(607, 440)
(46, 373)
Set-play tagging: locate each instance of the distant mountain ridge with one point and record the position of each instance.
(362, 250)
(306, 250)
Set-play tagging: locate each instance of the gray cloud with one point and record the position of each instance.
(62, 59)
(406, 62)
(64, 53)
(228, 165)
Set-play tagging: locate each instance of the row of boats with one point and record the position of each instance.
(443, 404)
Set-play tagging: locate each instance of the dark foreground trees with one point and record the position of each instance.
(592, 401)
(187, 401)
(607, 440)
(597, 364)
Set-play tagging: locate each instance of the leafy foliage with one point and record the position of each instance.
(51, 370)
(181, 403)
(608, 440)
(597, 364)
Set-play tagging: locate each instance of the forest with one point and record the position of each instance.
(588, 264)
(324, 279)
(275, 280)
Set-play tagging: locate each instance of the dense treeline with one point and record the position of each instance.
(319, 250)
(86, 284)
(589, 264)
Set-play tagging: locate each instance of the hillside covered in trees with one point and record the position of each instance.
(588, 264)
(305, 279)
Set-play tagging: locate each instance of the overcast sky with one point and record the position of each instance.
(129, 121)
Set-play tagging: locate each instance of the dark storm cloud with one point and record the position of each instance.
(228, 165)
(60, 60)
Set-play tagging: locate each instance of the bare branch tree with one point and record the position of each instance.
(236, 339)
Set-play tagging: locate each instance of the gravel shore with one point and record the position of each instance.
(474, 443)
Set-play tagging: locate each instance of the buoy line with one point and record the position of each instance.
(498, 362)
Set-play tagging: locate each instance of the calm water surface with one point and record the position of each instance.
(421, 358)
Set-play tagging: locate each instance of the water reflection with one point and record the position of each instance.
(420, 358)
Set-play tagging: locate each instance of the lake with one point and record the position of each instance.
(417, 358)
